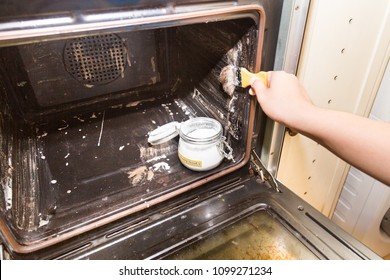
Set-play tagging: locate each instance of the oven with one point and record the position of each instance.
(82, 87)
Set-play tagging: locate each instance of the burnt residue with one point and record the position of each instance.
(256, 237)
(232, 44)
(6, 167)
(19, 177)
(65, 71)
(48, 79)
(26, 185)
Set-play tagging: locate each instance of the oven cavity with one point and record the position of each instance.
(76, 112)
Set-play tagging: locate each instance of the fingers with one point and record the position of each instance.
(257, 86)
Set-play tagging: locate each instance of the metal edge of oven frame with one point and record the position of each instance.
(291, 32)
(73, 25)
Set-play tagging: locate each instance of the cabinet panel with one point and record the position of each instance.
(345, 50)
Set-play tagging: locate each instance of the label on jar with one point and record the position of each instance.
(190, 162)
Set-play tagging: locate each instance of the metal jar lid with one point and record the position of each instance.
(170, 130)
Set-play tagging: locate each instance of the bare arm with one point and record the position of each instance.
(362, 142)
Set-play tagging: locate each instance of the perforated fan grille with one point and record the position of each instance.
(95, 60)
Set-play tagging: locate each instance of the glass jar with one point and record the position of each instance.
(202, 145)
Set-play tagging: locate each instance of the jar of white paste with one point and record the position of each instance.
(201, 145)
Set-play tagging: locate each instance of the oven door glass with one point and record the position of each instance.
(259, 236)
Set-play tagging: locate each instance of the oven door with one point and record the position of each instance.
(237, 217)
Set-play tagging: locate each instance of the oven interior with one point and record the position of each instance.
(75, 113)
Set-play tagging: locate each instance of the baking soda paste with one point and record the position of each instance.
(201, 156)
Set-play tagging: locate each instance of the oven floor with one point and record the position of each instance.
(93, 165)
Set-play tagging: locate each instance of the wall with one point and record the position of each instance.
(344, 55)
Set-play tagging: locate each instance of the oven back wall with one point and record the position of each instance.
(80, 68)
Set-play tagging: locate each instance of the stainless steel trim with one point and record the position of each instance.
(291, 31)
(291, 35)
(263, 172)
(29, 31)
